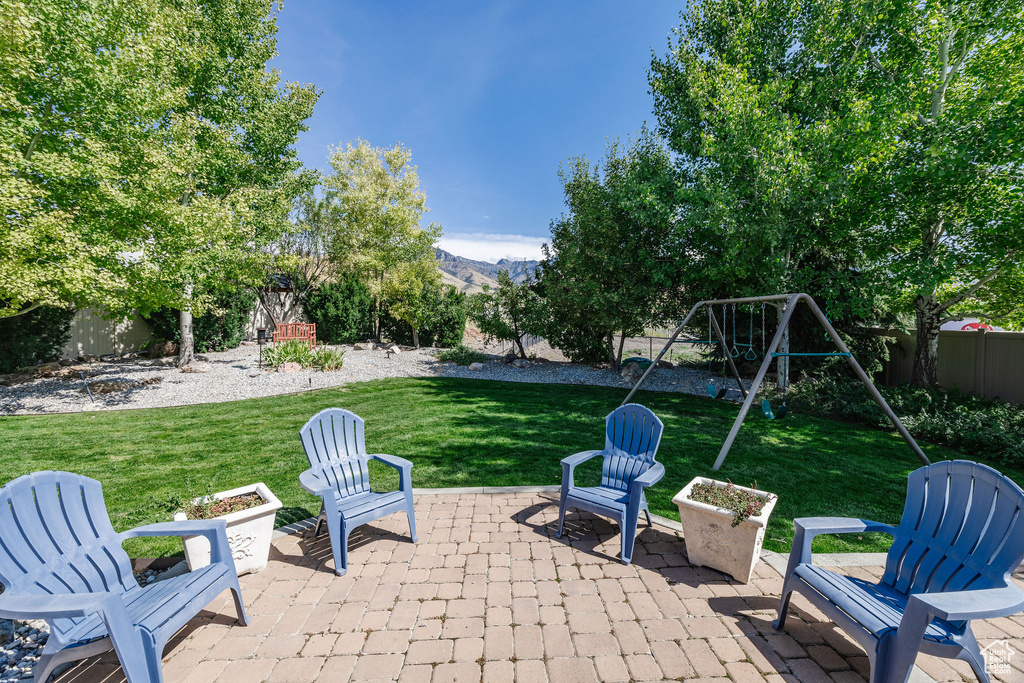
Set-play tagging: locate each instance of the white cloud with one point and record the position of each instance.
(481, 246)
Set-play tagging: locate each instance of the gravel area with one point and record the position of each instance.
(235, 374)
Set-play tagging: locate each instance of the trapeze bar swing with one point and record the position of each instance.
(772, 353)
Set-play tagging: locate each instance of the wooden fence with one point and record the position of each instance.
(990, 364)
(91, 333)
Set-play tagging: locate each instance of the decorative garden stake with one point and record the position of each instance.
(726, 531)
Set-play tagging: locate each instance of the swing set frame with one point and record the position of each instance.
(770, 354)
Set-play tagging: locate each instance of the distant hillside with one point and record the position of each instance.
(470, 276)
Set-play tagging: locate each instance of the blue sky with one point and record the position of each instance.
(489, 96)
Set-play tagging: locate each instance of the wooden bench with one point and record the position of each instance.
(301, 331)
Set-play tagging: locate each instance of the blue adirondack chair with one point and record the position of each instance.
(961, 536)
(632, 435)
(334, 443)
(62, 561)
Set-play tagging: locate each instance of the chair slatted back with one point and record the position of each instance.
(632, 435)
(56, 538)
(336, 437)
(962, 528)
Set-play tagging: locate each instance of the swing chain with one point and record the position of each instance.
(751, 354)
(734, 351)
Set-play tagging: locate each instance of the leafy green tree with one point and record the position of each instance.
(444, 324)
(374, 195)
(86, 168)
(148, 151)
(610, 264)
(768, 155)
(874, 136)
(509, 312)
(944, 200)
(405, 291)
(300, 258)
(242, 184)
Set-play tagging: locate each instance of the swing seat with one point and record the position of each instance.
(715, 392)
(766, 407)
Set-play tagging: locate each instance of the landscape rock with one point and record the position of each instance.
(289, 367)
(394, 348)
(161, 349)
(109, 358)
(107, 387)
(73, 372)
(166, 362)
(363, 346)
(521, 363)
(15, 379)
(46, 369)
(476, 367)
(668, 365)
(88, 358)
(197, 367)
(632, 372)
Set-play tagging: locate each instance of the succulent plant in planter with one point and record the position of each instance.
(744, 503)
(723, 525)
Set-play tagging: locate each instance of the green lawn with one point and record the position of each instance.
(463, 433)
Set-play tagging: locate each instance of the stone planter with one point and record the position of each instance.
(712, 541)
(249, 532)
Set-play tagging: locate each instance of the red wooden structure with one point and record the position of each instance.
(302, 331)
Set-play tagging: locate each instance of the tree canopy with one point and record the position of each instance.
(148, 148)
(376, 202)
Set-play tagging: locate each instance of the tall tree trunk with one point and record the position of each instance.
(618, 356)
(611, 350)
(186, 349)
(928, 312)
(415, 337)
(519, 343)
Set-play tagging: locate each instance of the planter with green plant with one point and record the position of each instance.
(723, 525)
(249, 511)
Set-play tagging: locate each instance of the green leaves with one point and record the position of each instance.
(145, 146)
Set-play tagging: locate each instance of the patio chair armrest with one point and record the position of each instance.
(806, 528)
(570, 462)
(984, 603)
(403, 466)
(313, 484)
(213, 530)
(188, 527)
(392, 460)
(652, 476)
(67, 606)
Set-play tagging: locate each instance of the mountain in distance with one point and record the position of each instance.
(471, 276)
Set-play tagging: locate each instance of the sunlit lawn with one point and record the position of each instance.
(463, 433)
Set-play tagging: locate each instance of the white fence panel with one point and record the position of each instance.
(93, 334)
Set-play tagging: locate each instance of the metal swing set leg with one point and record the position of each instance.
(770, 354)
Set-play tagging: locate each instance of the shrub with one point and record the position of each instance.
(291, 351)
(220, 328)
(445, 320)
(342, 310)
(34, 337)
(949, 416)
(328, 359)
(461, 355)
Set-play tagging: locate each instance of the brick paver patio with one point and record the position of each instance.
(489, 594)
